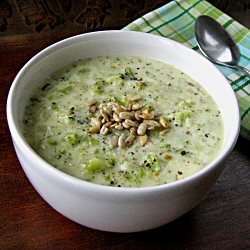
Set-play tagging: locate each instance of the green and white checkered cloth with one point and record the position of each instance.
(176, 21)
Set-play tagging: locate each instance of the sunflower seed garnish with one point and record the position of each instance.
(113, 117)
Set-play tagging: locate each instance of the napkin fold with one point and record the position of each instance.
(176, 20)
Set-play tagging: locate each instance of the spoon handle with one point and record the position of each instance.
(244, 70)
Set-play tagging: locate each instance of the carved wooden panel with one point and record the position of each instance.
(42, 15)
(5, 14)
(28, 16)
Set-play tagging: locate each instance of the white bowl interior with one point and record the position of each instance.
(124, 42)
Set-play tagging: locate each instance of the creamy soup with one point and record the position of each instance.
(124, 121)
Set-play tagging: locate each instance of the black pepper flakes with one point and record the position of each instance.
(45, 86)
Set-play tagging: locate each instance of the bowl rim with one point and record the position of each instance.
(48, 169)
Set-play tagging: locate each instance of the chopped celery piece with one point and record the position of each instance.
(99, 82)
(72, 138)
(52, 142)
(127, 166)
(181, 117)
(51, 96)
(98, 90)
(66, 90)
(116, 79)
(110, 98)
(84, 70)
(140, 85)
(129, 73)
(150, 108)
(54, 106)
(96, 151)
(97, 164)
(123, 101)
(152, 162)
(134, 176)
(92, 141)
(187, 104)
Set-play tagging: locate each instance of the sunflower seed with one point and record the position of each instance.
(92, 102)
(163, 122)
(135, 98)
(152, 123)
(96, 122)
(94, 130)
(137, 106)
(107, 124)
(119, 127)
(104, 130)
(165, 131)
(145, 111)
(129, 141)
(118, 109)
(113, 125)
(137, 116)
(92, 109)
(116, 117)
(133, 131)
(114, 141)
(126, 115)
(148, 116)
(121, 141)
(104, 114)
(108, 110)
(125, 125)
(129, 107)
(142, 129)
(150, 128)
(143, 139)
(131, 123)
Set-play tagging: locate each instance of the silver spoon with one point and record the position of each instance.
(216, 44)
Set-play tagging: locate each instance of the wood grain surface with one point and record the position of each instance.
(221, 221)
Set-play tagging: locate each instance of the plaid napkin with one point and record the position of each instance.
(176, 21)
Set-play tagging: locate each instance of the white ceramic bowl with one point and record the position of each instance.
(111, 208)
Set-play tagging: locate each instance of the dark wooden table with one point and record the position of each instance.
(222, 221)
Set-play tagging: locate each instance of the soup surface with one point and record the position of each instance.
(124, 121)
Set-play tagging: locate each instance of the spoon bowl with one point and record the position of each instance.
(216, 44)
